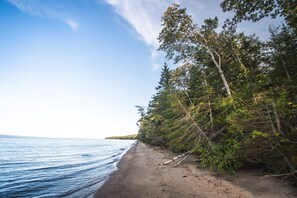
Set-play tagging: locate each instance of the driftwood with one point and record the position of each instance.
(197, 160)
(181, 160)
(185, 155)
(179, 156)
(280, 175)
(175, 158)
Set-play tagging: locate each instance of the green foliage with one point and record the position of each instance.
(256, 134)
(257, 9)
(226, 155)
(193, 111)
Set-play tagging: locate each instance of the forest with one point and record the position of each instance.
(231, 99)
(123, 137)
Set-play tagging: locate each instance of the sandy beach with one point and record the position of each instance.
(141, 173)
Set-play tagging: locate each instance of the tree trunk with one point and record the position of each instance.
(286, 70)
(277, 120)
(218, 63)
(209, 106)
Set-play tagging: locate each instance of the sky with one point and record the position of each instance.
(76, 69)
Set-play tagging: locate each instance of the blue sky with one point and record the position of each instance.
(77, 68)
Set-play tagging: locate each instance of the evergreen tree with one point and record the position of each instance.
(234, 98)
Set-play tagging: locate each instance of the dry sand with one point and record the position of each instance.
(141, 174)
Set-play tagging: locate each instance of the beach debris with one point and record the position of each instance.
(185, 155)
(285, 175)
(181, 160)
(197, 160)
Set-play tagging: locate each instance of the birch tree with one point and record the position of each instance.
(182, 40)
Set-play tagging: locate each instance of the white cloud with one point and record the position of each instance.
(145, 15)
(46, 9)
(74, 26)
(145, 18)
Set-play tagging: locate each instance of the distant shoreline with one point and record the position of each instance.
(141, 173)
(124, 137)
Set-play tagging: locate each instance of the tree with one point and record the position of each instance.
(183, 41)
(232, 100)
(152, 125)
(283, 45)
(257, 9)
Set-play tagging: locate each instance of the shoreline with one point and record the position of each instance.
(141, 173)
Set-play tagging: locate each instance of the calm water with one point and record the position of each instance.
(38, 167)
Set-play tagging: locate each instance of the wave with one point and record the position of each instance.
(76, 173)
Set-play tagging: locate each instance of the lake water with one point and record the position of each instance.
(40, 167)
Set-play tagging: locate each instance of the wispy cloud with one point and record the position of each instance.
(45, 8)
(144, 16)
(74, 26)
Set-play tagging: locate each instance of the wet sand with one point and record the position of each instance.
(141, 174)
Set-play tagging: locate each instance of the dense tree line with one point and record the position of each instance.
(123, 137)
(233, 98)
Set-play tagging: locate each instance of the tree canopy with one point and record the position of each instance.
(257, 9)
(233, 98)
